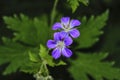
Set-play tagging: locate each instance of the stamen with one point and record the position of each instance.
(60, 44)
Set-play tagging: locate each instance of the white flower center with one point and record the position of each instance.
(66, 28)
(60, 44)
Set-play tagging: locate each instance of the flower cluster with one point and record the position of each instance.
(63, 39)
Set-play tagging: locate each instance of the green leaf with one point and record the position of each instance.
(48, 58)
(14, 53)
(44, 52)
(91, 30)
(36, 62)
(93, 65)
(75, 3)
(60, 63)
(31, 67)
(30, 31)
(24, 56)
(111, 41)
(33, 57)
(45, 56)
(19, 57)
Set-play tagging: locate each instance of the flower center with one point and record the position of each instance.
(60, 44)
(66, 28)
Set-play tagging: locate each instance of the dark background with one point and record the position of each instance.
(109, 41)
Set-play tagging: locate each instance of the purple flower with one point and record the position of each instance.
(68, 26)
(60, 44)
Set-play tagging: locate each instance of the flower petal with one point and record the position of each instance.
(56, 26)
(63, 34)
(65, 20)
(66, 52)
(74, 23)
(68, 41)
(51, 44)
(56, 53)
(74, 33)
(59, 36)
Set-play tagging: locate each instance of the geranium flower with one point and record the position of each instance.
(60, 44)
(68, 26)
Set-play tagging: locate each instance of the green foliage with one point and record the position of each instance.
(14, 53)
(111, 39)
(92, 64)
(37, 61)
(23, 53)
(46, 57)
(91, 29)
(26, 30)
(30, 31)
(31, 67)
(34, 32)
(111, 43)
(75, 3)
(34, 57)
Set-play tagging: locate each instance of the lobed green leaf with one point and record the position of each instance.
(75, 3)
(49, 59)
(91, 30)
(30, 31)
(14, 53)
(92, 64)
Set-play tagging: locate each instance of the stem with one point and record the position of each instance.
(46, 69)
(43, 73)
(53, 12)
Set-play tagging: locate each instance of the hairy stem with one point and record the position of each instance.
(53, 13)
(43, 73)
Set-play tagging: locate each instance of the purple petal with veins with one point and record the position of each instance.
(68, 41)
(57, 26)
(66, 52)
(74, 33)
(65, 20)
(51, 44)
(56, 53)
(74, 23)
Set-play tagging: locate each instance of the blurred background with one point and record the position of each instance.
(109, 41)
